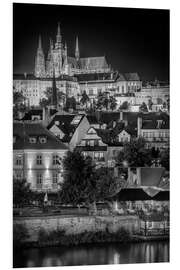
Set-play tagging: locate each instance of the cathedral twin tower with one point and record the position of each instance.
(57, 61)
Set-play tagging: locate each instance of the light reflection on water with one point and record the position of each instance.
(147, 252)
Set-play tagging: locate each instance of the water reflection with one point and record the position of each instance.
(93, 255)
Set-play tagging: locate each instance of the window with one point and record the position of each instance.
(14, 139)
(91, 92)
(55, 178)
(39, 160)
(42, 140)
(91, 142)
(87, 143)
(56, 160)
(32, 139)
(18, 175)
(39, 179)
(96, 142)
(99, 156)
(122, 89)
(85, 154)
(18, 160)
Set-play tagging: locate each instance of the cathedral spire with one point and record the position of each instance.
(77, 49)
(51, 44)
(40, 43)
(58, 36)
(40, 61)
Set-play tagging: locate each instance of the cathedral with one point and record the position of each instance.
(60, 63)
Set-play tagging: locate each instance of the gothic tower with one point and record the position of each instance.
(40, 62)
(49, 61)
(58, 53)
(77, 55)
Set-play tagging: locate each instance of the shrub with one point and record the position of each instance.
(20, 234)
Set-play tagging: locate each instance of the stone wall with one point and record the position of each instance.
(76, 225)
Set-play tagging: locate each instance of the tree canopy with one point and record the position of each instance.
(46, 101)
(124, 106)
(70, 103)
(105, 101)
(83, 182)
(134, 154)
(21, 193)
(143, 107)
(84, 98)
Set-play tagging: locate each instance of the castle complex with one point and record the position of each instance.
(59, 60)
(74, 75)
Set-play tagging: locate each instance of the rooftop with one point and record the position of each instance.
(22, 132)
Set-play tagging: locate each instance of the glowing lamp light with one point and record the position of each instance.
(125, 163)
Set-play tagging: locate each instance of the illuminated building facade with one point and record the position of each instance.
(37, 156)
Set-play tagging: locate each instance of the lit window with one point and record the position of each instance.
(56, 160)
(18, 160)
(39, 160)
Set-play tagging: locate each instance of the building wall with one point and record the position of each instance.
(31, 170)
(158, 138)
(34, 89)
(153, 92)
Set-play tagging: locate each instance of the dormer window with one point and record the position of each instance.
(42, 139)
(32, 139)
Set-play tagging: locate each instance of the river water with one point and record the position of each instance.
(115, 253)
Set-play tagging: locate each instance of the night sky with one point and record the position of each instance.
(133, 40)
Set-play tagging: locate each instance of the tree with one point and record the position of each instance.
(134, 154)
(84, 100)
(70, 103)
(113, 103)
(107, 185)
(18, 103)
(18, 98)
(164, 159)
(44, 102)
(159, 101)
(101, 101)
(143, 107)
(150, 103)
(124, 106)
(84, 183)
(21, 193)
(78, 185)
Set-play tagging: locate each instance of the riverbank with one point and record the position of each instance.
(44, 231)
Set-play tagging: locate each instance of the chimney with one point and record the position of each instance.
(159, 123)
(114, 124)
(46, 116)
(139, 125)
(121, 116)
